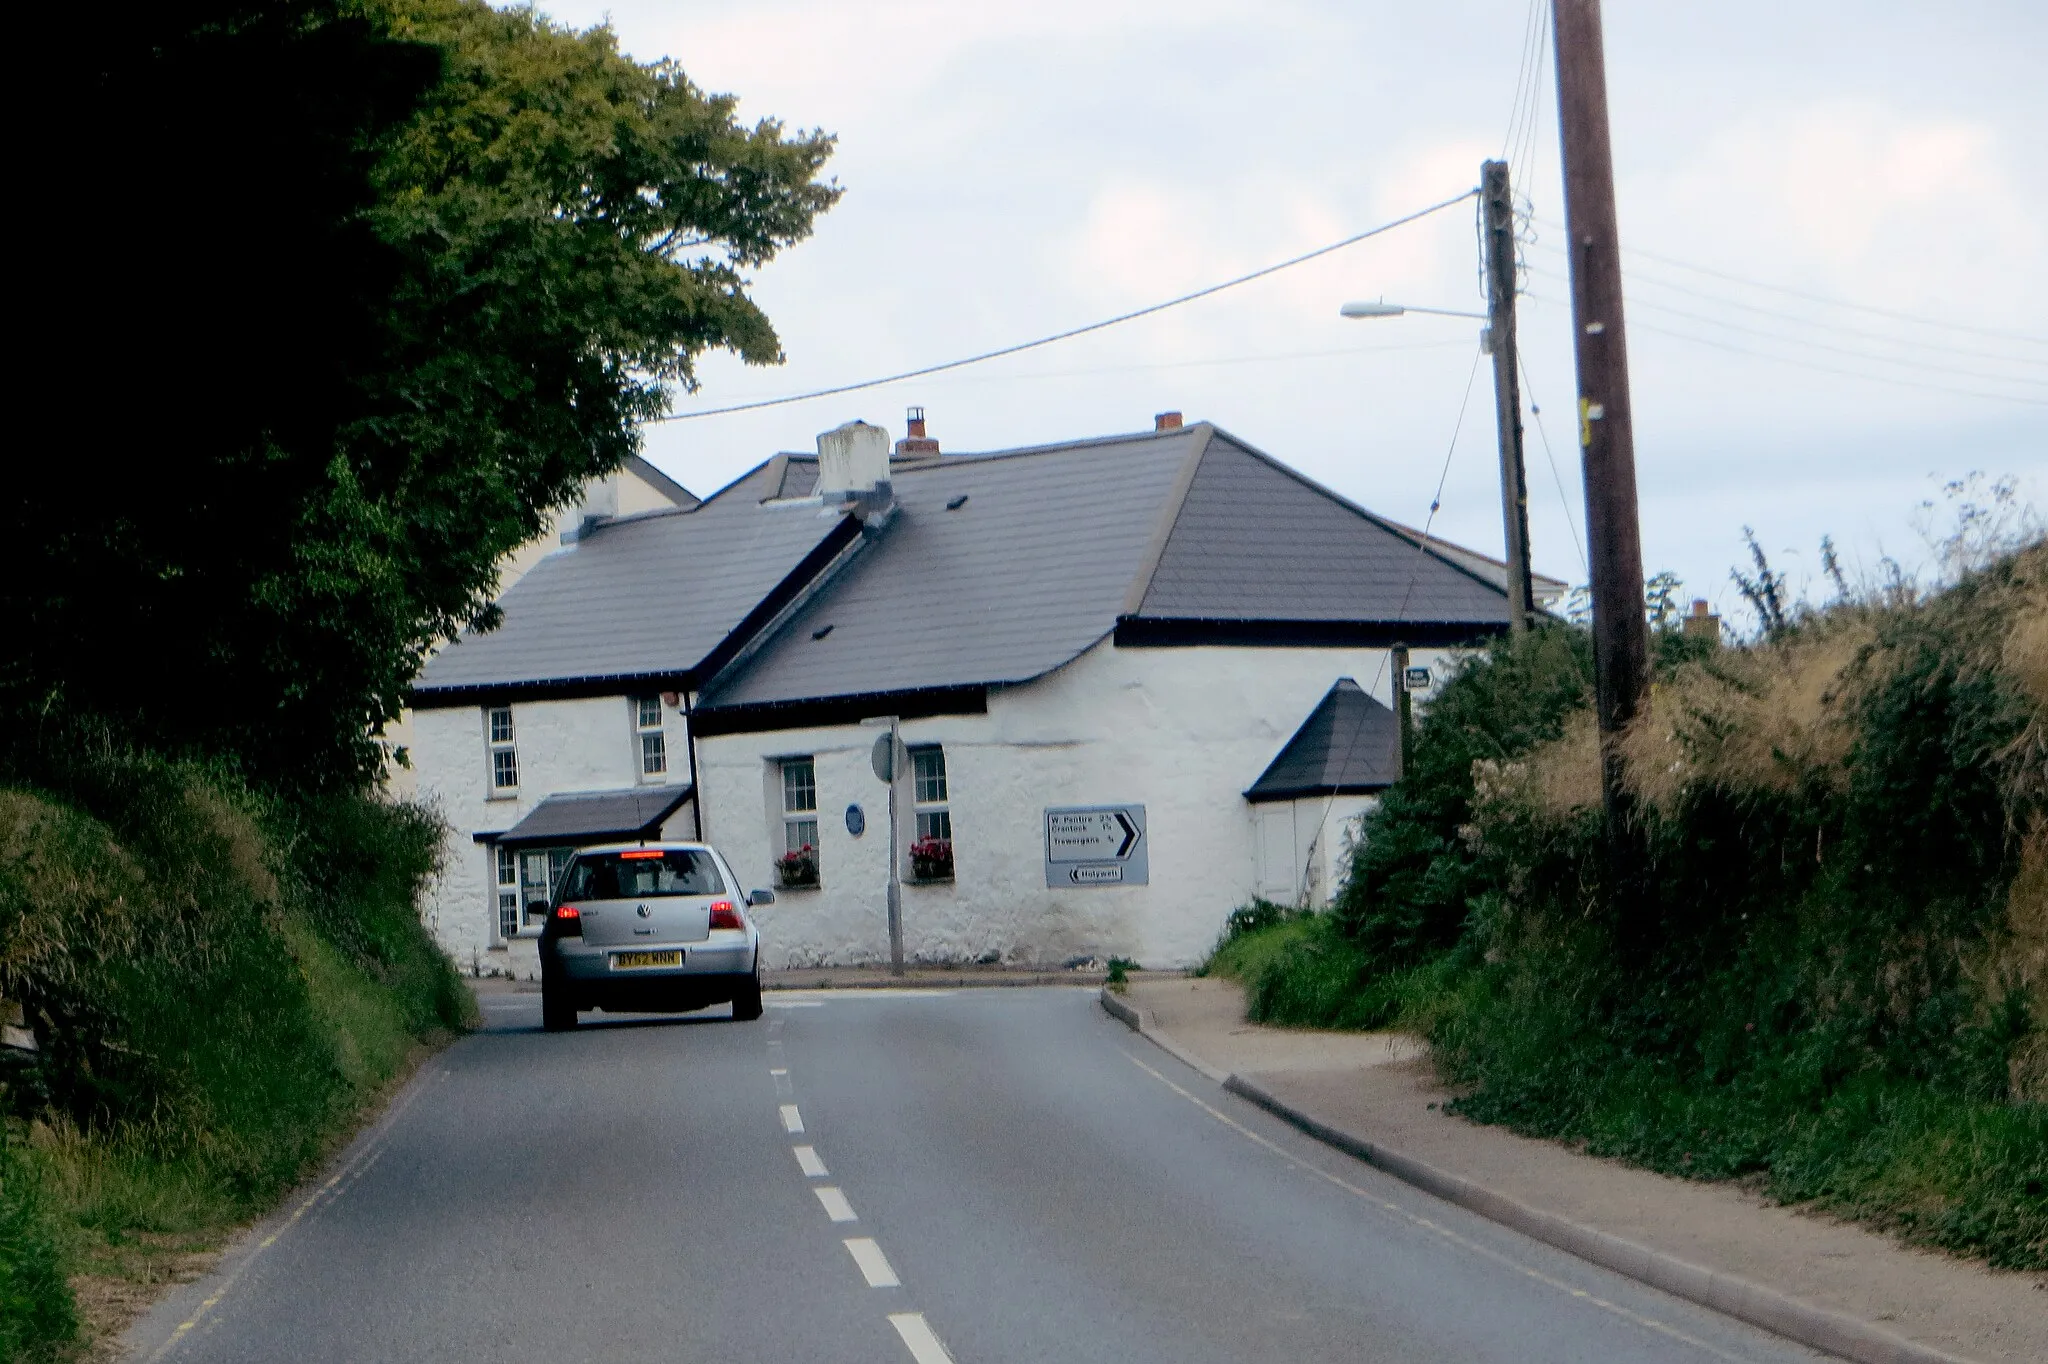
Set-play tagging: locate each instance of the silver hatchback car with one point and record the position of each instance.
(649, 928)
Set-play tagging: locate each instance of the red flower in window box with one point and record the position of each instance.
(931, 859)
(799, 868)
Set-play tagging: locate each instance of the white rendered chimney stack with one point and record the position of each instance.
(853, 465)
(852, 472)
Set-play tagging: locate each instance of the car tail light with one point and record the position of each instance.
(640, 854)
(724, 914)
(568, 921)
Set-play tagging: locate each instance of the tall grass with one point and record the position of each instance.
(218, 982)
(36, 1314)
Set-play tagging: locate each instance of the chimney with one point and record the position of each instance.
(915, 444)
(1166, 421)
(853, 466)
(1701, 624)
(599, 504)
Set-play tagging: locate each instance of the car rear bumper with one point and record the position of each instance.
(712, 971)
(661, 994)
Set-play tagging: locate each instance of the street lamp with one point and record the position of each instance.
(1381, 308)
(1496, 339)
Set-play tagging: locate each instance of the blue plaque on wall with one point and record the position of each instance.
(856, 820)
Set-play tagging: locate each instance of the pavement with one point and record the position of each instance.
(918, 1175)
(1859, 1294)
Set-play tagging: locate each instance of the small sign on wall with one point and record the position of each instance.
(1096, 845)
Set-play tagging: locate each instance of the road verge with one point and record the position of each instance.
(1802, 1322)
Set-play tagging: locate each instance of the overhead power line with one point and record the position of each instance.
(1859, 331)
(2031, 338)
(1072, 332)
(1422, 544)
(1564, 500)
(1924, 366)
(1824, 369)
(1278, 357)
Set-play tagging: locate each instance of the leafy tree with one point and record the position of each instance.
(375, 284)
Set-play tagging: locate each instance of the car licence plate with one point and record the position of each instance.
(626, 961)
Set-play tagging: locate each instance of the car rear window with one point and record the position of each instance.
(633, 875)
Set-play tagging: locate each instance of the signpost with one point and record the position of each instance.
(1096, 845)
(886, 757)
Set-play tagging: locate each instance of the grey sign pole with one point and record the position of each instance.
(886, 762)
(895, 857)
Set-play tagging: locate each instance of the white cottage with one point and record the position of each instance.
(1137, 681)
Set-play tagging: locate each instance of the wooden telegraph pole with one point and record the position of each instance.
(1621, 642)
(1497, 204)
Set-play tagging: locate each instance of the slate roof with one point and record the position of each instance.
(1255, 540)
(1028, 572)
(595, 817)
(1349, 745)
(653, 595)
(1545, 588)
(1056, 546)
(993, 569)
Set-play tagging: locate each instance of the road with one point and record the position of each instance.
(892, 1178)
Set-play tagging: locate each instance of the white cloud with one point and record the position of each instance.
(1864, 200)
(1015, 169)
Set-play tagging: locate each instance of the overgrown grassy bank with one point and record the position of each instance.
(1831, 975)
(218, 982)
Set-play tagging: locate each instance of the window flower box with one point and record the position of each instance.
(931, 859)
(798, 870)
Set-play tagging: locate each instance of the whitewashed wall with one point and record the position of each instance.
(582, 745)
(1302, 847)
(1182, 731)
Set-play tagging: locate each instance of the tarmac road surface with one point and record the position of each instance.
(891, 1177)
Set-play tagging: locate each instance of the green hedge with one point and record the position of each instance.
(218, 981)
(1831, 976)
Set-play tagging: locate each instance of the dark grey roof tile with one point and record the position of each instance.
(1255, 540)
(1025, 574)
(642, 595)
(1350, 744)
(581, 817)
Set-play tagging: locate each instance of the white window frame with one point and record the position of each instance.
(540, 869)
(505, 902)
(931, 797)
(497, 747)
(796, 816)
(650, 741)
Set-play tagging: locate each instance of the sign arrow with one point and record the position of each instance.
(1130, 835)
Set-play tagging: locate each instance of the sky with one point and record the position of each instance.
(1832, 216)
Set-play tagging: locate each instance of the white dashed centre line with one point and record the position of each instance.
(874, 1265)
(835, 1204)
(778, 1070)
(807, 1161)
(919, 1336)
(792, 1121)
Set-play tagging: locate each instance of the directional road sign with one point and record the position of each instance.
(1096, 845)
